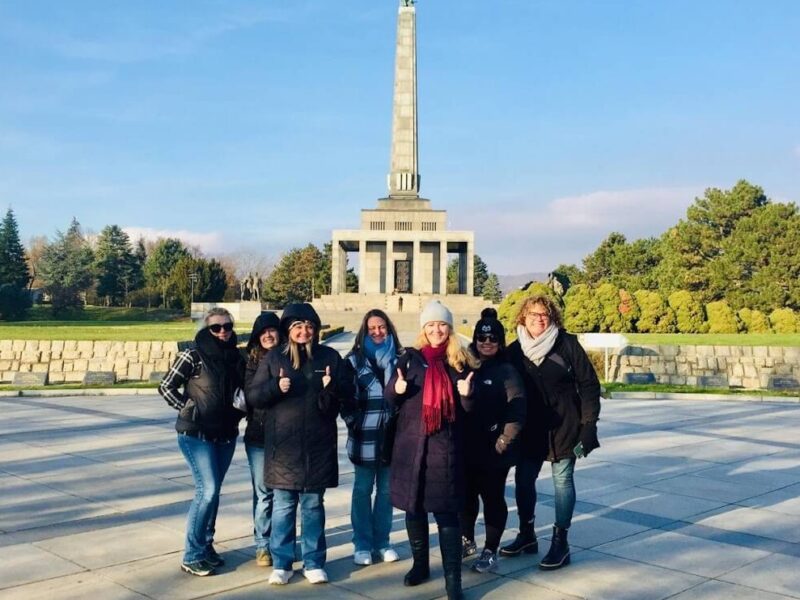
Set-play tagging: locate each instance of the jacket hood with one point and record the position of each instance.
(299, 312)
(266, 320)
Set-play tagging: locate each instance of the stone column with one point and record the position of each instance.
(415, 274)
(470, 268)
(443, 268)
(336, 270)
(389, 266)
(404, 170)
(362, 266)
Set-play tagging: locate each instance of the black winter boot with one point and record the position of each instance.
(524, 542)
(558, 555)
(420, 552)
(451, 547)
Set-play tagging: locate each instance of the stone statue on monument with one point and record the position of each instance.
(406, 2)
(257, 283)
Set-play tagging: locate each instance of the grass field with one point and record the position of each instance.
(715, 339)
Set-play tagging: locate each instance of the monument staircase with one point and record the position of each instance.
(348, 309)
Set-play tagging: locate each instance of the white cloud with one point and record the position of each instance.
(525, 236)
(209, 242)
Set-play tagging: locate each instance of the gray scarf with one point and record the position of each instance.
(535, 349)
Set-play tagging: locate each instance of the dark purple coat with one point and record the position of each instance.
(427, 472)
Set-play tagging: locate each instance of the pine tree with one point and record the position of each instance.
(13, 264)
(491, 289)
(66, 269)
(114, 264)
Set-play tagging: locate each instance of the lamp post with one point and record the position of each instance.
(193, 278)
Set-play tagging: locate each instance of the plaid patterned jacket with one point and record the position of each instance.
(366, 416)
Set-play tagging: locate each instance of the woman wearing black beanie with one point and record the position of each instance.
(491, 432)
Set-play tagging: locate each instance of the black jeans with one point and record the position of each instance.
(490, 485)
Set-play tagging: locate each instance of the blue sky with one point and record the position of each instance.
(263, 125)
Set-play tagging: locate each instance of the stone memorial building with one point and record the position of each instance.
(403, 245)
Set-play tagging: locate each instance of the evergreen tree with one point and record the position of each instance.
(582, 310)
(115, 265)
(66, 269)
(291, 279)
(491, 289)
(13, 264)
(655, 314)
(209, 284)
(159, 264)
(480, 273)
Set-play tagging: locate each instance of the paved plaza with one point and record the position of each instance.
(685, 500)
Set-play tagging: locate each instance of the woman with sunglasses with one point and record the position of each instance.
(369, 421)
(301, 384)
(210, 374)
(491, 432)
(431, 388)
(264, 337)
(563, 407)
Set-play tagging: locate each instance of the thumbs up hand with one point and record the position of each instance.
(326, 379)
(284, 383)
(400, 384)
(465, 385)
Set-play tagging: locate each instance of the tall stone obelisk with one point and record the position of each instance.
(404, 165)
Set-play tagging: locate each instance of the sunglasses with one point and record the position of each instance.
(490, 338)
(216, 327)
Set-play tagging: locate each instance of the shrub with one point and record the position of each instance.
(784, 320)
(721, 318)
(607, 296)
(629, 311)
(582, 312)
(689, 313)
(753, 321)
(655, 315)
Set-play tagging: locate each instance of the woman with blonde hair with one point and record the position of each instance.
(563, 407)
(301, 385)
(210, 374)
(431, 387)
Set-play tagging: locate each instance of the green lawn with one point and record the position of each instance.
(132, 331)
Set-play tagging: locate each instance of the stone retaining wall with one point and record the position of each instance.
(68, 361)
(749, 367)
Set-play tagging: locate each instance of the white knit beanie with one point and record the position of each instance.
(435, 311)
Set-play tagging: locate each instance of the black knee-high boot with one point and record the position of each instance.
(450, 545)
(419, 541)
(558, 555)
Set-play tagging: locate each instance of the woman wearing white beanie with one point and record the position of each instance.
(431, 389)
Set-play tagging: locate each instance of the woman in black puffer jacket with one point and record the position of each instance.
(491, 429)
(301, 385)
(264, 337)
(563, 407)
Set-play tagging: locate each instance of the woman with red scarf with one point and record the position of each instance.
(431, 389)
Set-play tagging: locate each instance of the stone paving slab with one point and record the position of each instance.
(691, 500)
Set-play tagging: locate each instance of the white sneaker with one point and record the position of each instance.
(316, 575)
(280, 577)
(389, 554)
(362, 558)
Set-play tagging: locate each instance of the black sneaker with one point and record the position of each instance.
(214, 559)
(201, 568)
(487, 563)
(468, 548)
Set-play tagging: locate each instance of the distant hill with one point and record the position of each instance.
(509, 283)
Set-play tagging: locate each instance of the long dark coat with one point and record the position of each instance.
(563, 393)
(300, 451)
(427, 473)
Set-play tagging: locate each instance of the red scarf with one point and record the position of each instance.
(437, 391)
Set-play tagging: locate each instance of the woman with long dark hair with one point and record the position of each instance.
(210, 374)
(431, 388)
(369, 419)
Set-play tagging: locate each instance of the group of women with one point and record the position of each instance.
(431, 429)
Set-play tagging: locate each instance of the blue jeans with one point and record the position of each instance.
(208, 461)
(371, 522)
(262, 497)
(284, 526)
(563, 485)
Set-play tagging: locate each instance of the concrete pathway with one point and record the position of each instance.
(685, 500)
